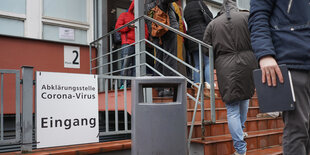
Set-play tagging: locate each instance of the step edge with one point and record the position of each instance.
(222, 108)
(225, 121)
(267, 132)
(267, 148)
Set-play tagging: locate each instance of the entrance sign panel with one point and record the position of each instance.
(66, 109)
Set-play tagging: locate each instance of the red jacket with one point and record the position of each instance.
(128, 34)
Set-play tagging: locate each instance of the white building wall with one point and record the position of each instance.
(43, 19)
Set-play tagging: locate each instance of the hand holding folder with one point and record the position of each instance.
(275, 98)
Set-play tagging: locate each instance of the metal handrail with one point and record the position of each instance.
(173, 70)
(115, 50)
(200, 86)
(177, 32)
(159, 23)
(171, 55)
(115, 30)
(111, 62)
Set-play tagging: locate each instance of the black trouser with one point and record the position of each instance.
(169, 43)
(296, 135)
(149, 60)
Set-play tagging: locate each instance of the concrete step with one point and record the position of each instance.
(220, 113)
(221, 126)
(218, 103)
(118, 147)
(274, 150)
(221, 145)
(191, 103)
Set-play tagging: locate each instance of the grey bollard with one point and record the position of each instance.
(159, 128)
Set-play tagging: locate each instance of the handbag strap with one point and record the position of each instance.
(204, 12)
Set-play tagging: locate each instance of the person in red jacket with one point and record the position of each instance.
(128, 37)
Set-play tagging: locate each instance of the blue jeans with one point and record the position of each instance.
(128, 62)
(236, 117)
(206, 68)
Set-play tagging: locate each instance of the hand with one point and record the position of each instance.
(131, 26)
(270, 71)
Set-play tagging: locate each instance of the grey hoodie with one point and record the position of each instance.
(228, 6)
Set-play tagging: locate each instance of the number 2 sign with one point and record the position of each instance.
(71, 57)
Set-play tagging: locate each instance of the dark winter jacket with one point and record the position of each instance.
(196, 23)
(128, 33)
(166, 6)
(281, 30)
(234, 58)
(169, 39)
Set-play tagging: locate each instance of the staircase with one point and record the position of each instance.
(264, 134)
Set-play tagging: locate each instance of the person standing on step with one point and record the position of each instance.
(168, 41)
(234, 63)
(128, 37)
(197, 16)
(280, 34)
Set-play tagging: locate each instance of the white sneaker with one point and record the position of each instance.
(245, 134)
(207, 85)
(236, 153)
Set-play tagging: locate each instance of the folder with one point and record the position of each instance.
(272, 99)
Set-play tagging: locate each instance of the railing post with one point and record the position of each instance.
(212, 96)
(139, 35)
(103, 45)
(27, 104)
(111, 59)
(201, 63)
(1, 112)
(90, 59)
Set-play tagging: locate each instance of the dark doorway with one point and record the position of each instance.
(115, 8)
